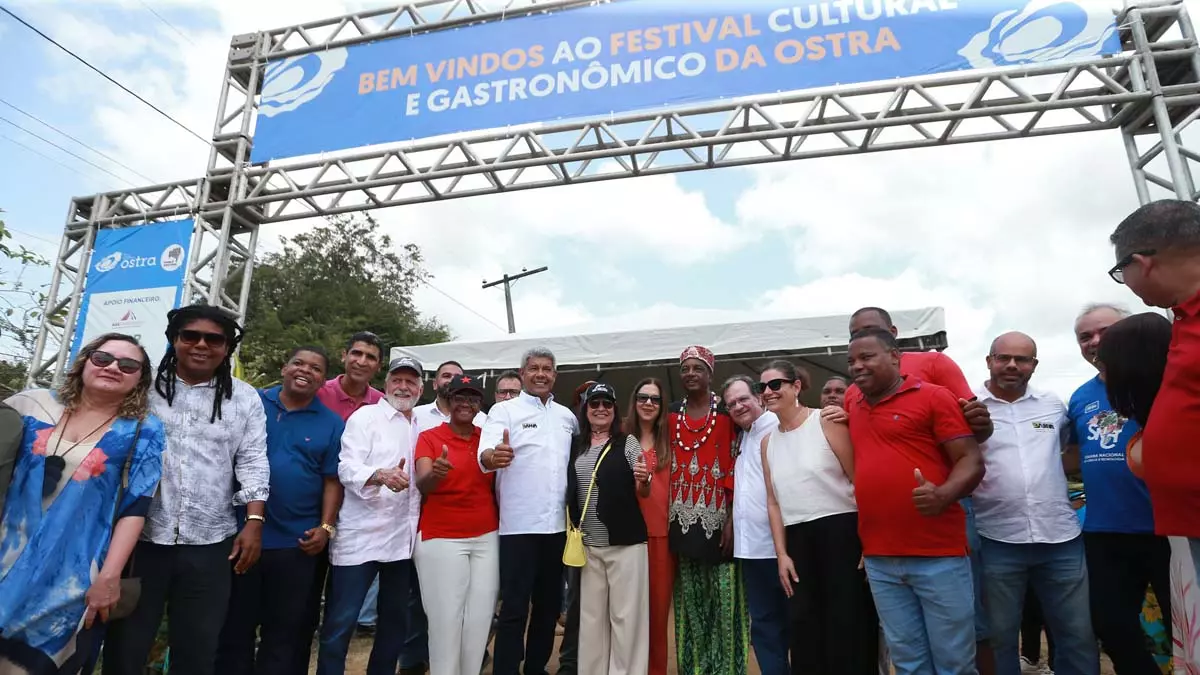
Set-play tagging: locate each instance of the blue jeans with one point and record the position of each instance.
(974, 544)
(1058, 574)
(769, 633)
(347, 588)
(368, 615)
(927, 608)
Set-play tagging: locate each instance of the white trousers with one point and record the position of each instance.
(614, 611)
(460, 580)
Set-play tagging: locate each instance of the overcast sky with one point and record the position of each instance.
(1004, 236)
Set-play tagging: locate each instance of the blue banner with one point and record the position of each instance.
(135, 276)
(633, 55)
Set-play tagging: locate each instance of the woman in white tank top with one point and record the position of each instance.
(808, 465)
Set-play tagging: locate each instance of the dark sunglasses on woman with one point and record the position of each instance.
(647, 398)
(102, 359)
(773, 385)
(195, 337)
(597, 403)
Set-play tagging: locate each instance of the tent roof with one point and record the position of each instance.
(586, 349)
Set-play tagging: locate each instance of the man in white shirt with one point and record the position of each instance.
(1030, 534)
(770, 632)
(527, 442)
(377, 524)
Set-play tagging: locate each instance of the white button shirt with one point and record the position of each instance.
(376, 524)
(1023, 496)
(532, 491)
(751, 525)
(429, 416)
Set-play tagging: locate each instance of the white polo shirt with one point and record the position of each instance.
(532, 491)
(429, 416)
(1023, 496)
(376, 524)
(751, 525)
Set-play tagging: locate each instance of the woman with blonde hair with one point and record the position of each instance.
(90, 459)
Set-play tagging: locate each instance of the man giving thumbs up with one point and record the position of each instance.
(914, 457)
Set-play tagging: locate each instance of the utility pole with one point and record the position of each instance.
(508, 282)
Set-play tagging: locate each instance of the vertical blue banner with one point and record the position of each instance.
(135, 276)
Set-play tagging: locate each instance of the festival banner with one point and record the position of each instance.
(638, 55)
(135, 277)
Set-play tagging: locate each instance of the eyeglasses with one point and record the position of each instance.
(1019, 360)
(508, 392)
(195, 337)
(102, 359)
(773, 385)
(647, 398)
(1117, 273)
(598, 403)
(466, 399)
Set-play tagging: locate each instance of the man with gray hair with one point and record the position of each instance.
(1123, 553)
(1158, 257)
(770, 631)
(526, 441)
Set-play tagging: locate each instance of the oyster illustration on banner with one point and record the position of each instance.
(294, 81)
(1045, 30)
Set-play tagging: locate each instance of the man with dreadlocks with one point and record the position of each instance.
(216, 458)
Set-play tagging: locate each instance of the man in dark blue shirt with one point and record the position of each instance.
(303, 442)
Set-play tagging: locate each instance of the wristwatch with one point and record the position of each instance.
(330, 529)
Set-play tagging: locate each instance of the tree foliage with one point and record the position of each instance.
(324, 285)
(21, 306)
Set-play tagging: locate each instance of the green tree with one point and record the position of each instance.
(20, 305)
(326, 284)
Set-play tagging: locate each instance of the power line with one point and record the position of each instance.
(455, 301)
(43, 155)
(50, 142)
(42, 122)
(101, 73)
(167, 23)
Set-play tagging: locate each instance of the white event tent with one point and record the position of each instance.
(622, 357)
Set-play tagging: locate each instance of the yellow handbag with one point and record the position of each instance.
(574, 555)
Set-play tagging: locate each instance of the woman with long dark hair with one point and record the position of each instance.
(646, 420)
(607, 476)
(90, 459)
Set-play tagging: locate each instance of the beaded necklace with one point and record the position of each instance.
(706, 426)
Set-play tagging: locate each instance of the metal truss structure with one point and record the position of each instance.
(1150, 92)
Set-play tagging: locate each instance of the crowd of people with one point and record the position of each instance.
(909, 522)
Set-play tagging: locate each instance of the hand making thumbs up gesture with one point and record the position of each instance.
(640, 473)
(927, 497)
(398, 479)
(502, 454)
(442, 465)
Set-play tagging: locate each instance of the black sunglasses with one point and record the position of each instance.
(1117, 273)
(102, 359)
(773, 385)
(597, 403)
(195, 337)
(648, 398)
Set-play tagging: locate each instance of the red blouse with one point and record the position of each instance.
(701, 481)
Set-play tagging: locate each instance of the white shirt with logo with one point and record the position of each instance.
(531, 492)
(1023, 496)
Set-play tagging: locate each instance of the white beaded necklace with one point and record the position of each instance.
(710, 421)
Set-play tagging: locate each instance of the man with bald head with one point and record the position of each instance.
(1030, 535)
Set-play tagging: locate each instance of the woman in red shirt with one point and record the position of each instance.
(646, 420)
(457, 554)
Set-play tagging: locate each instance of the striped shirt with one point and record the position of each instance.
(594, 532)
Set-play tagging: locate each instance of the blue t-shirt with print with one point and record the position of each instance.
(1117, 501)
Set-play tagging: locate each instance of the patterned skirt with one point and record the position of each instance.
(712, 625)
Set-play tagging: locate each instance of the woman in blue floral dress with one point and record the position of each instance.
(64, 538)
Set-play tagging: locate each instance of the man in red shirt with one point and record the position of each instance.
(914, 457)
(1158, 257)
(937, 368)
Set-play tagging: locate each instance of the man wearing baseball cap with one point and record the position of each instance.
(377, 525)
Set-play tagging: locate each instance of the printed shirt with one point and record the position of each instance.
(376, 524)
(464, 504)
(1023, 496)
(336, 399)
(532, 490)
(1169, 454)
(205, 461)
(751, 525)
(1117, 500)
(429, 416)
(701, 481)
(302, 447)
(900, 433)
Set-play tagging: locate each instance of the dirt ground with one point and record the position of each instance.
(361, 649)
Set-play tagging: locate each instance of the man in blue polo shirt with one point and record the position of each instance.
(303, 442)
(1123, 553)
